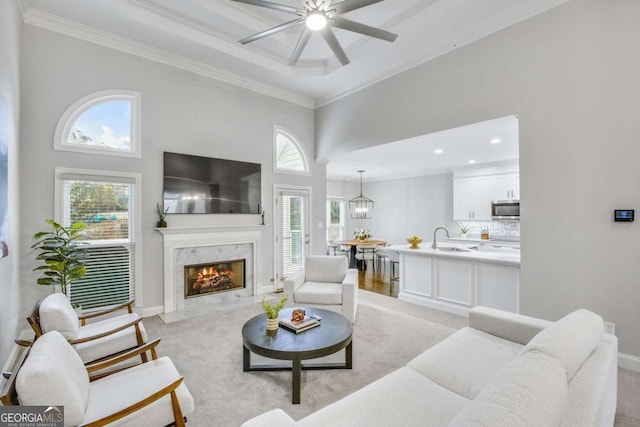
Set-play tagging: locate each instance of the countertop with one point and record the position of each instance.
(478, 256)
(479, 240)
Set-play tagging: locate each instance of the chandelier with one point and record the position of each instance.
(361, 207)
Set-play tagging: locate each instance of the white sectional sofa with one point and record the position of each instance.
(502, 370)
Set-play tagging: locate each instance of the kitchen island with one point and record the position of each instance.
(455, 278)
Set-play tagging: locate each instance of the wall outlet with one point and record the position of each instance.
(610, 328)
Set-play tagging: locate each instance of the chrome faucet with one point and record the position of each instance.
(433, 245)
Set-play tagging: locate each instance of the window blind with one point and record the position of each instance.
(105, 205)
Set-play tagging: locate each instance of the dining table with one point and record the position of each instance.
(353, 243)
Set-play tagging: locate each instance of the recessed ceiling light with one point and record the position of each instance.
(496, 141)
(438, 151)
(472, 161)
(316, 21)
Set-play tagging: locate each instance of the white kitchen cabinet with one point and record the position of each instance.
(472, 199)
(505, 187)
(456, 282)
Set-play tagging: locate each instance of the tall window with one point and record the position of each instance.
(335, 219)
(106, 203)
(106, 122)
(289, 154)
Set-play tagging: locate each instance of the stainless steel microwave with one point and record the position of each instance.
(505, 209)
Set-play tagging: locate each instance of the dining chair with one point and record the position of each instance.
(366, 253)
(394, 261)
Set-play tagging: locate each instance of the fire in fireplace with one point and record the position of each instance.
(203, 279)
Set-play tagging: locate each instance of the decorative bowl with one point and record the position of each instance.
(414, 241)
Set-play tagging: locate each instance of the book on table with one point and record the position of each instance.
(297, 327)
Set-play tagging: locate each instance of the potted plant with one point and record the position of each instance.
(162, 216)
(62, 254)
(362, 234)
(464, 229)
(271, 311)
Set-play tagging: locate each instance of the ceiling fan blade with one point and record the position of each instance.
(349, 5)
(356, 27)
(270, 5)
(333, 43)
(271, 31)
(302, 43)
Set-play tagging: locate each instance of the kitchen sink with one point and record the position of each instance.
(453, 249)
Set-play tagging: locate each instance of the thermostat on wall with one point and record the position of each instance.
(623, 215)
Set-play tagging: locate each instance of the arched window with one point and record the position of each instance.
(289, 153)
(106, 122)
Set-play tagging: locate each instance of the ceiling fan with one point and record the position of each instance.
(320, 16)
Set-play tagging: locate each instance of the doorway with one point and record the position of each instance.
(291, 231)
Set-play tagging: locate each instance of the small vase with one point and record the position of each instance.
(272, 324)
(161, 224)
(463, 235)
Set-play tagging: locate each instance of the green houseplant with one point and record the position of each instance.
(162, 216)
(464, 229)
(271, 311)
(61, 253)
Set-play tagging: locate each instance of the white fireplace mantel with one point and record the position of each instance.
(194, 237)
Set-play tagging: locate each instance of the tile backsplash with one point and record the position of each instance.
(509, 230)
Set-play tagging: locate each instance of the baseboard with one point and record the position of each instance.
(628, 361)
(435, 304)
(149, 311)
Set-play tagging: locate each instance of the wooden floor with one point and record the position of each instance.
(378, 282)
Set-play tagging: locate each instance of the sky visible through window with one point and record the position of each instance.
(104, 125)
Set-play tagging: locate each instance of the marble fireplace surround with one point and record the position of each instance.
(184, 246)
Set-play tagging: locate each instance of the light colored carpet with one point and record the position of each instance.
(208, 352)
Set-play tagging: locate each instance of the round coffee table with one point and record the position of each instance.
(334, 333)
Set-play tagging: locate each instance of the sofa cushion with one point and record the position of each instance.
(53, 374)
(273, 418)
(571, 339)
(401, 398)
(319, 293)
(325, 268)
(530, 391)
(56, 314)
(110, 344)
(465, 362)
(119, 390)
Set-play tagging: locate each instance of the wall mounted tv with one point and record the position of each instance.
(204, 185)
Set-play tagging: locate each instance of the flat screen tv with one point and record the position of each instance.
(204, 185)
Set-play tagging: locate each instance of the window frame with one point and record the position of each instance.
(137, 213)
(296, 142)
(343, 216)
(71, 115)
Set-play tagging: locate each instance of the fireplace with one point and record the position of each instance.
(213, 277)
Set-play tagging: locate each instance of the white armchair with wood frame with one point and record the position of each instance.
(95, 340)
(324, 282)
(51, 372)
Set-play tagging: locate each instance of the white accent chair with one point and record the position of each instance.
(149, 394)
(92, 341)
(324, 282)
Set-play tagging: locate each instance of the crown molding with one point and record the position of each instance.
(499, 24)
(80, 31)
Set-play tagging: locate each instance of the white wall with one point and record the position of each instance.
(403, 207)
(181, 112)
(10, 30)
(571, 77)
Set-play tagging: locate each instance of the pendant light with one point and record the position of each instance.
(361, 207)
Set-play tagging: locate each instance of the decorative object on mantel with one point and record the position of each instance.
(464, 229)
(162, 215)
(271, 311)
(414, 241)
(361, 207)
(297, 315)
(62, 253)
(362, 234)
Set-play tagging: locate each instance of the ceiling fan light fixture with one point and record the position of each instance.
(316, 21)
